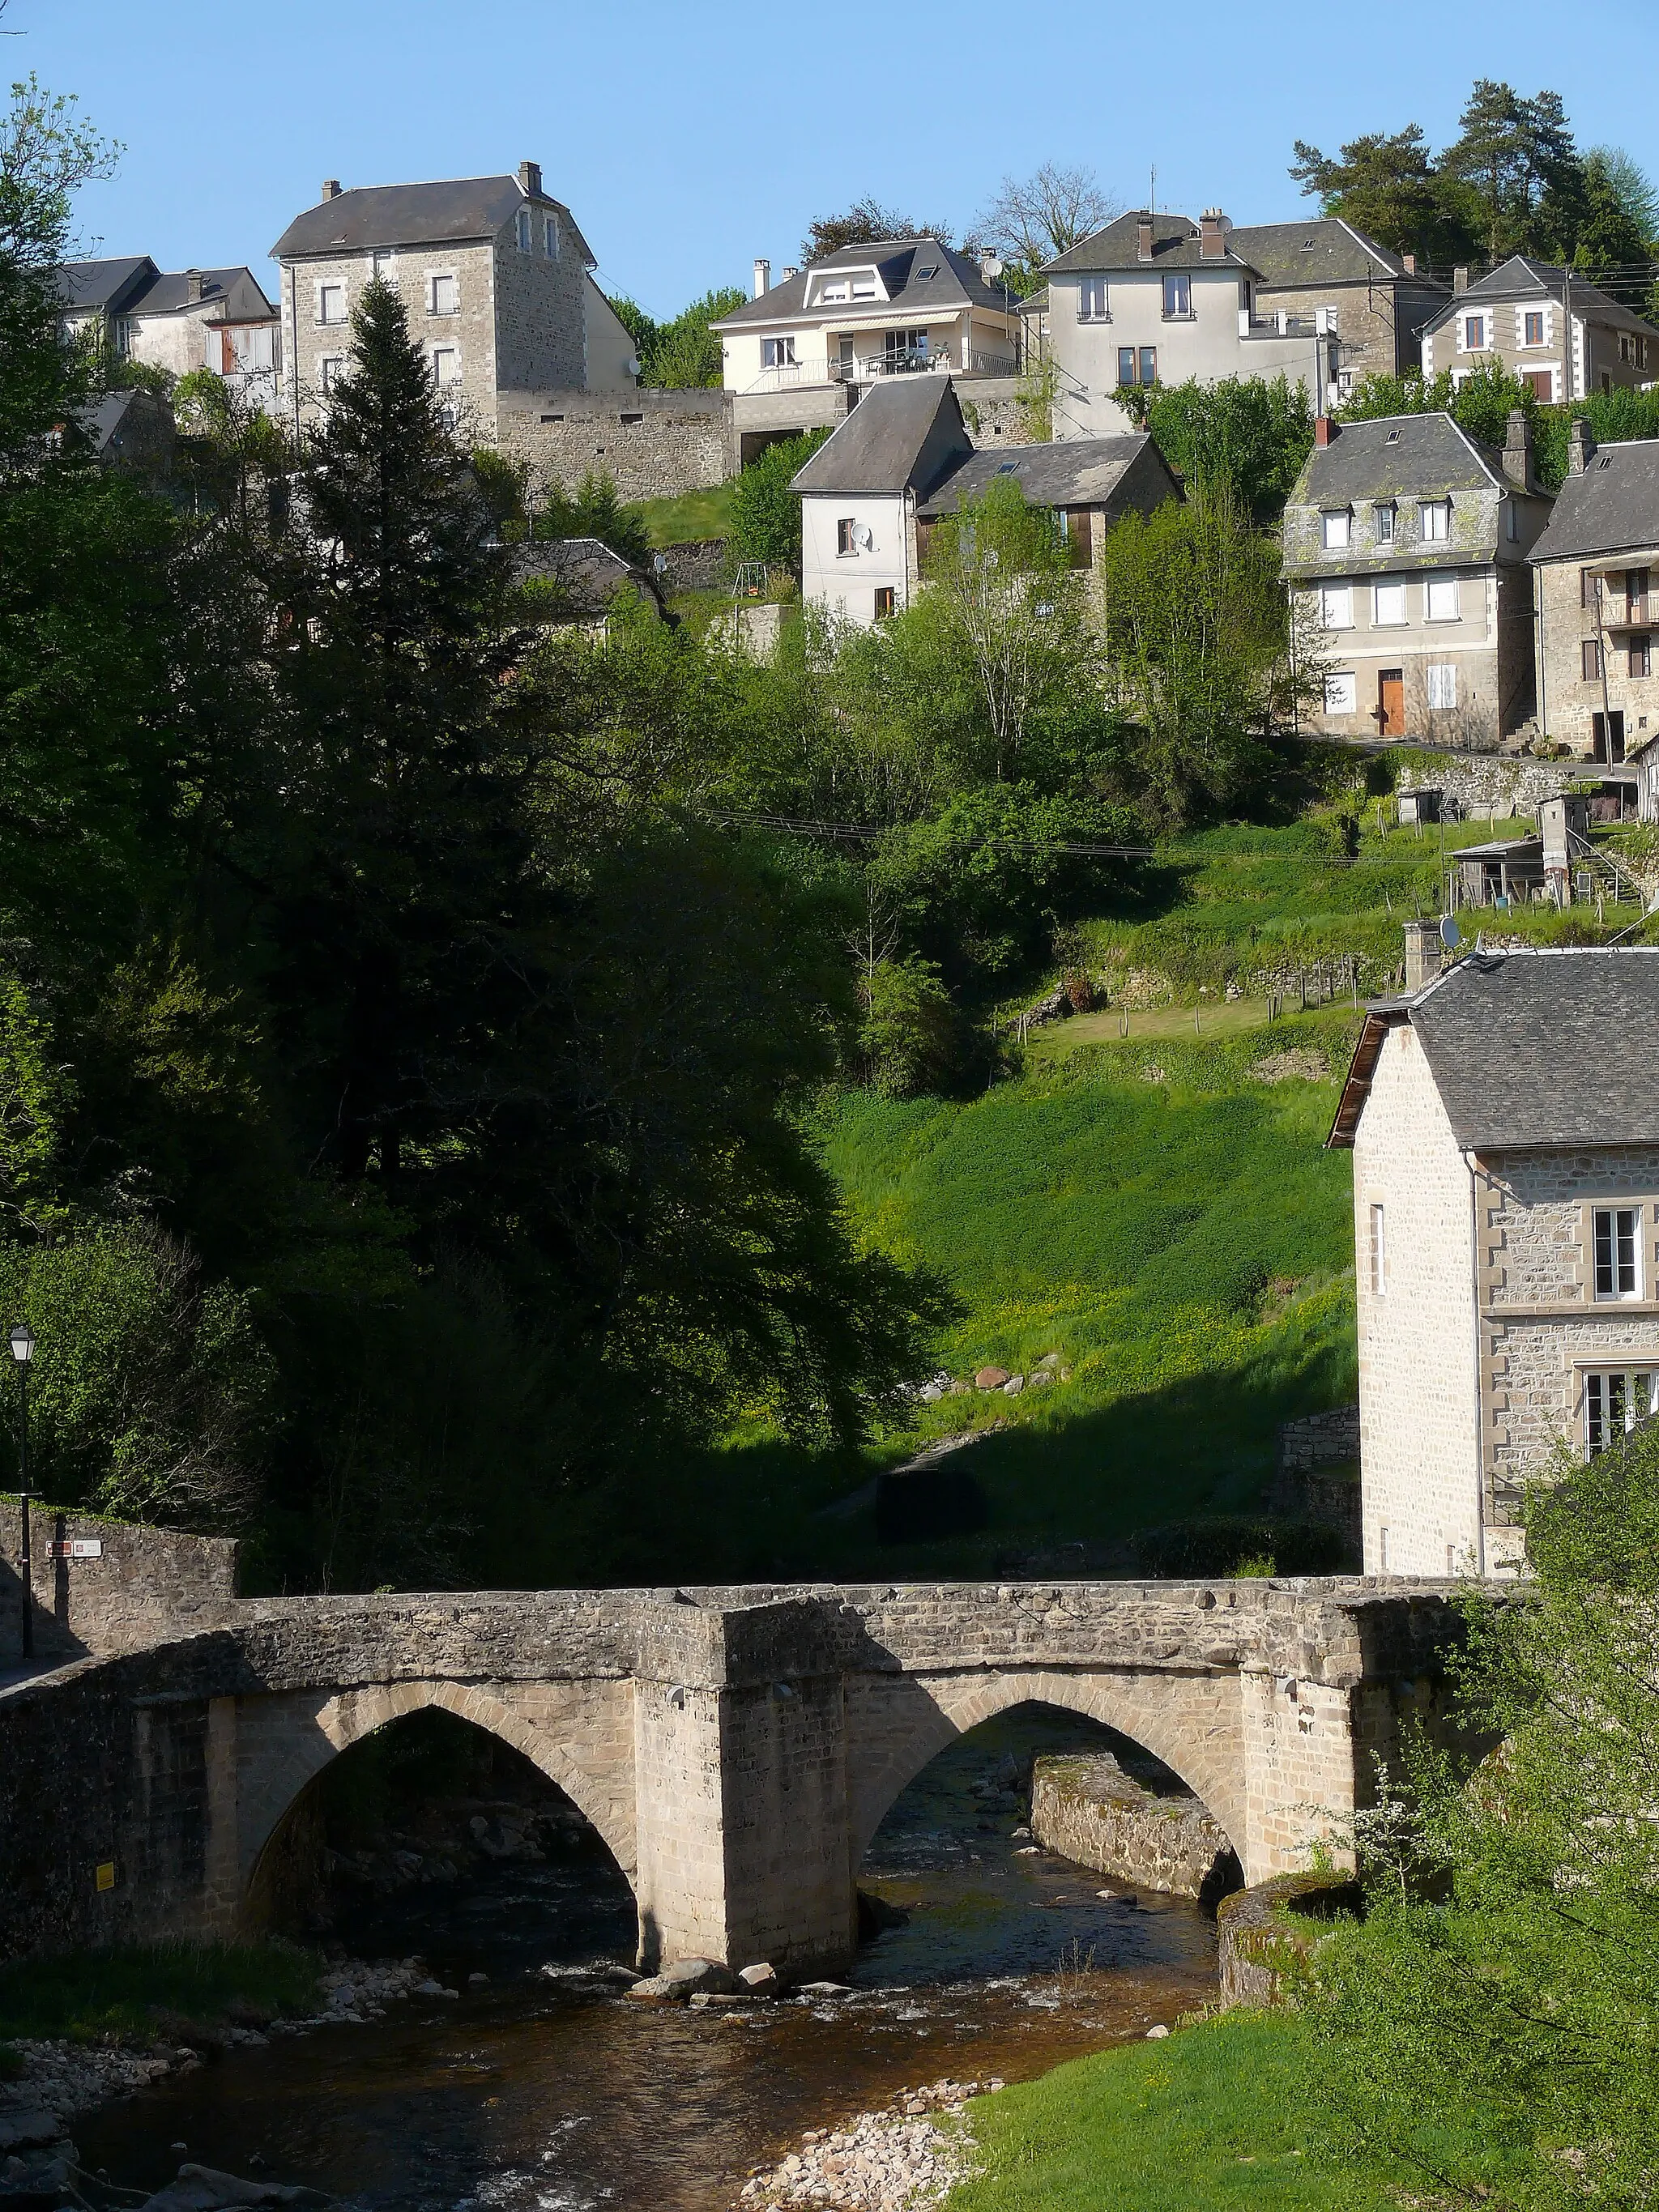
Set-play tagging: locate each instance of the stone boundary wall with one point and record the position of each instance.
(1498, 784)
(991, 410)
(700, 564)
(1266, 1932)
(1319, 1440)
(655, 444)
(142, 1586)
(1085, 1808)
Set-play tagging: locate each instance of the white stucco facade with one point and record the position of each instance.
(848, 583)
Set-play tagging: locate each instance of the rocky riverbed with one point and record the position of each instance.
(901, 2160)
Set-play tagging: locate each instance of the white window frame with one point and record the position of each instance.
(1385, 520)
(781, 350)
(1435, 589)
(552, 244)
(1177, 286)
(1379, 1249)
(1611, 1400)
(1336, 606)
(1616, 1239)
(866, 287)
(834, 291)
(1094, 301)
(1440, 678)
(329, 367)
(383, 262)
(1465, 324)
(1394, 594)
(1522, 342)
(325, 286)
(433, 278)
(523, 232)
(1341, 692)
(452, 352)
(1336, 528)
(1434, 521)
(847, 538)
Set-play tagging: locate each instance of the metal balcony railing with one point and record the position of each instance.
(873, 366)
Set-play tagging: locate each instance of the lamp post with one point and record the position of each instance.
(22, 1352)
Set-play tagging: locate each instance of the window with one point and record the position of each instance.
(1626, 350)
(845, 547)
(524, 230)
(1379, 1255)
(1137, 365)
(1531, 327)
(330, 303)
(883, 602)
(1474, 333)
(444, 296)
(1390, 606)
(1440, 597)
(904, 348)
(330, 369)
(834, 290)
(1336, 606)
(1336, 521)
(1614, 1403)
(1443, 684)
(383, 263)
(1590, 661)
(1385, 514)
(1383, 1550)
(1542, 381)
(1091, 301)
(777, 353)
(1641, 656)
(1434, 520)
(1177, 297)
(446, 365)
(1617, 1236)
(550, 236)
(864, 288)
(1342, 696)
(1126, 365)
(1587, 593)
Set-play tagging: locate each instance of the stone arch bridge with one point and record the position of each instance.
(736, 1748)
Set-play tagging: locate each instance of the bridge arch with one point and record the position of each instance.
(1193, 1723)
(287, 1739)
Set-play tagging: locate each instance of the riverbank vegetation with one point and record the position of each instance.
(139, 1992)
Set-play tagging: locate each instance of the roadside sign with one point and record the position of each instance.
(78, 1548)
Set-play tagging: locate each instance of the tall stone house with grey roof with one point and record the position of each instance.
(1406, 542)
(189, 319)
(1596, 568)
(1505, 1129)
(1560, 335)
(801, 353)
(1158, 299)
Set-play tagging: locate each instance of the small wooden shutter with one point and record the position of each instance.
(1080, 527)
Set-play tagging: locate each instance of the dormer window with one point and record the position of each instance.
(864, 288)
(1336, 521)
(834, 290)
(1434, 520)
(1385, 512)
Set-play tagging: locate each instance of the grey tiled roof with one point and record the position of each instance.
(1520, 278)
(1325, 251)
(903, 435)
(103, 283)
(1397, 456)
(414, 214)
(1076, 472)
(1613, 507)
(954, 283)
(1174, 246)
(171, 291)
(1553, 1047)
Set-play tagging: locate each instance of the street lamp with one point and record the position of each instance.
(22, 1352)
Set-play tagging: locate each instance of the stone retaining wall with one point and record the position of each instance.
(1084, 1807)
(1267, 1932)
(1319, 1439)
(701, 564)
(992, 412)
(655, 444)
(1497, 783)
(103, 1586)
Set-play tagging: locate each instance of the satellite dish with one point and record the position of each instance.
(633, 366)
(1450, 936)
(862, 539)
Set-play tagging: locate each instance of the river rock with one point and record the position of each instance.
(26, 2127)
(990, 1378)
(203, 2188)
(761, 1981)
(825, 1990)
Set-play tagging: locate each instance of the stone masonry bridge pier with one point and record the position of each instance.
(736, 1748)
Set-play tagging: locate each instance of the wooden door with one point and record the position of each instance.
(1391, 702)
(1079, 532)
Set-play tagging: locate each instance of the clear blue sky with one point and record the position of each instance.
(686, 139)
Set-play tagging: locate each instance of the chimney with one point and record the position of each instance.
(1461, 278)
(1213, 230)
(1144, 235)
(762, 277)
(1426, 955)
(990, 267)
(1581, 447)
(193, 284)
(1324, 431)
(1408, 263)
(530, 179)
(789, 271)
(330, 188)
(1517, 449)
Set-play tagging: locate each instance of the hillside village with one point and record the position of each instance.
(814, 1120)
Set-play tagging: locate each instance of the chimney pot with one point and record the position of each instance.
(529, 179)
(1144, 235)
(1461, 277)
(1408, 263)
(762, 276)
(1212, 235)
(789, 271)
(1324, 430)
(1581, 447)
(330, 188)
(1426, 954)
(193, 283)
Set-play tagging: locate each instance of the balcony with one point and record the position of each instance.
(872, 367)
(1321, 323)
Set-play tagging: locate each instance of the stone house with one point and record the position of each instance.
(1407, 542)
(1160, 299)
(1550, 328)
(799, 353)
(495, 275)
(1088, 483)
(1505, 1140)
(1596, 568)
(217, 319)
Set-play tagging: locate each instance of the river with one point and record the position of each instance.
(538, 2091)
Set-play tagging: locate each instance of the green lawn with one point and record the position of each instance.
(1115, 1024)
(691, 514)
(1216, 2118)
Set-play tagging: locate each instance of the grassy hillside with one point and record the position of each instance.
(689, 515)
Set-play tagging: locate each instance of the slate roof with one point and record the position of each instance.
(171, 293)
(1614, 506)
(414, 214)
(101, 284)
(1076, 472)
(1325, 251)
(954, 284)
(590, 574)
(1397, 456)
(1520, 277)
(1532, 1048)
(1174, 246)
(904, 435)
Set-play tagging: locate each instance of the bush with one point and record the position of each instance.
(765, 510)
(907, 1039)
